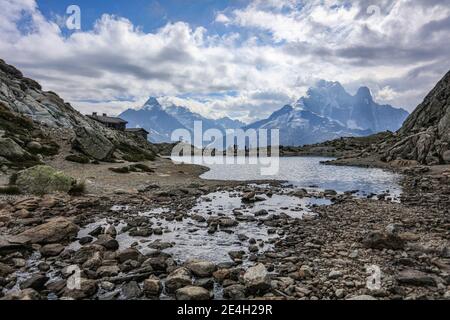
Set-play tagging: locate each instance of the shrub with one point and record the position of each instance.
(78, 188)
(43, 179)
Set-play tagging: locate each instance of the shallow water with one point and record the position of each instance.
(190, 239)
(303, 172)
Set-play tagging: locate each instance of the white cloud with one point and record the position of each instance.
(289, 45)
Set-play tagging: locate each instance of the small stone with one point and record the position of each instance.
(335, 274)
(339, 293)
(363, 298)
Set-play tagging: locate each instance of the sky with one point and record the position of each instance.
(239, 58)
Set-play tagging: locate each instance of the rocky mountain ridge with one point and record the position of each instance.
(425, 136)
(29, 118)
(161, 121)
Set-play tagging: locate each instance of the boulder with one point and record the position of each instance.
(152, 287)
(5, 270)
(36, 282)
(26, 294)
(54, 231)
(128, 254)
(383, 240)
(131, 290)
(108, 242)
(234, 292)
(179, 278)
(10, 150)
(92, 143)
(52, 250)
(257, 280)
(193, 293)
(108, 271)
(202, 269)
(43, 179)
(86, 290)
(416, 278)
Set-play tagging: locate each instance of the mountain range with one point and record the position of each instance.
(326, 112)
(161, 122)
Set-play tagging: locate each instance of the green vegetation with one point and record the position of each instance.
(78, 189)
(43, 179)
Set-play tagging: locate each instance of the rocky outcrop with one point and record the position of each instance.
(27, 111)
(425, 135)
(54, 231)
(93, 144)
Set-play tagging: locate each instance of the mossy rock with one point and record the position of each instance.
(43, 180)
(78, 158)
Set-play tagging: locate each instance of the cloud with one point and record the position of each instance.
(273, 51)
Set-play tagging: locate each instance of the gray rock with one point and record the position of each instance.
(363, 298)
(203, 269)
(11, 150)
(5, 270)
(36, 282)
(128, 254)
(179, 278)
(193, 293)
(107, 241)
(383, 240)
(152, 287)
(52, 250)
(131, 290)
(234, 292)
(93, 144)
(54, 231)
(108, 271)
(257, 280)
(415, 278)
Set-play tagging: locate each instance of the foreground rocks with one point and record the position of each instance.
(56, 230)
(320, 257)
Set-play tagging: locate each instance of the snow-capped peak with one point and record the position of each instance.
(151, 104)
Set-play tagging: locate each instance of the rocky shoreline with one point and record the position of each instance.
(322, 255)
